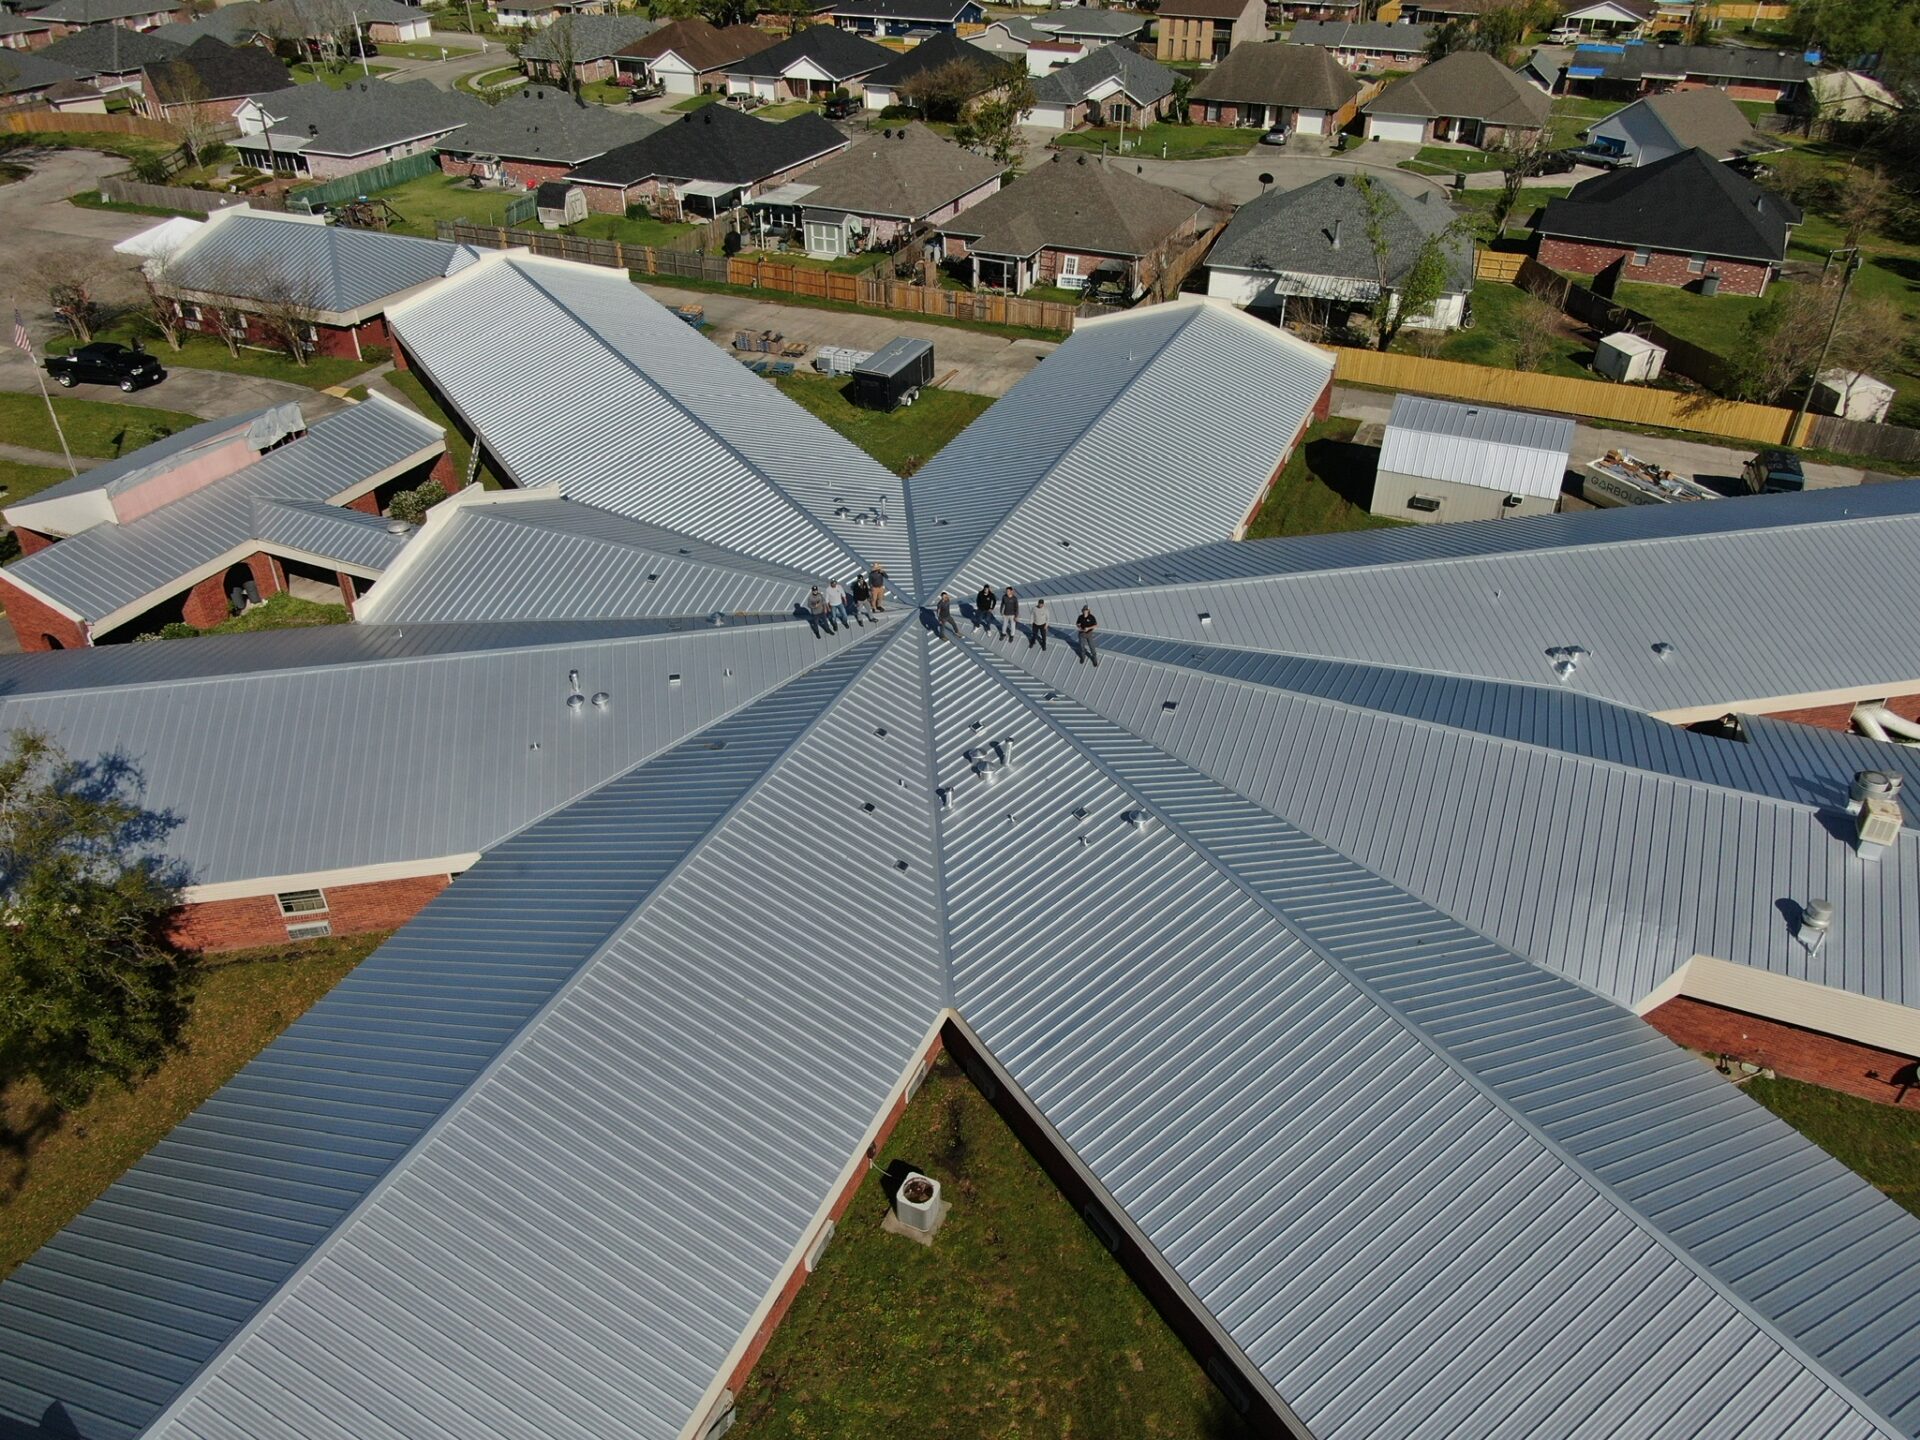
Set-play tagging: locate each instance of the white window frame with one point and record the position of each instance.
(1641, 255)
(1696, 264)
(1068, 277)
(827, 228)
(302, 902)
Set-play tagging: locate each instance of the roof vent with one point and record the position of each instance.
(1662, 649)
(1140, 821)
(397, 527)
(601, 699)
(1816, 919)
(1081, 160)
(576, 703)
(1872, 784)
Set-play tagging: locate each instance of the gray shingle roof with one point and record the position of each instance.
(1469, 84)
(717, 143)
(839, 53)
(1145, 82)
(367, 115)
(1321, 229)
(1361, 35)
(107, 50)
(1732, 62)
(210, 69)
(94, 13)
(1075, 203)
(537, 123)
(907, 171)
(1279, 73)
(594, 37)
(1689, 203)
(941, 50)
(1687, 119)
(1091, 23)
(23, 70)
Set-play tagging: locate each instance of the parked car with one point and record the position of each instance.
(1278, 135)
(1774, 472)
(1559, 162)
(1596, 157)
(104, 363)
(842, 107)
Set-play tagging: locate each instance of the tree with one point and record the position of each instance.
(1781, 341)
(1874, 336)
(944, 92)
(1424, 279)
(723, 13)
(1532, 334)
(561, 44)
(1863, 201)
(160, 309)
(790, 13)
(1182, 96)
(76, 285)
(1447, 37)
(287, 300)
(412, 505)
(994, 125)
(91, 989)
(1795, 176)
(1520, 159)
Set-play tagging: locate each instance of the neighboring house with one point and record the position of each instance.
(1676, 222)
(26, 78)
(1115, 85)
(229, 271)
(1434, 12)
(885, 18)
(69, 16)
(107, 56)
(1607, 19)
(1303, 87)
(594, 41)
(1368, 46)
(209, 78)
(1313, 243)
(72, 96)
(1443, 461)
(1206, 30)
(530, 14)
(1073, 222)
(889, 84)
(25, 32)
(689, 57)
(883, 187)
(1660, 126)
(535, 134)
(706, 161)
(1320, 11)
(171, 531)
(1466, 98)
(1019, 40)
(315, 131)
(306, 23)
(808, 66)
(1744, 72)
(1093, 26)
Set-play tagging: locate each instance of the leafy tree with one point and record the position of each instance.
(1425, 279)
(1863, 201)
(91, 990)
(723, 13)
(1447, 37)
(1781, 341)
(994, 125)
(943, 92)
(1520, 159)
(1182, 93)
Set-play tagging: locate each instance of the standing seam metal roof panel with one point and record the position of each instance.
(1511, 450)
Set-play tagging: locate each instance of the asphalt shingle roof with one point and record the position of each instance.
(1146, 82)
(1361, 35)
(1279, 73)
(107, 50)
(1689, 203)
(542, 123)
(1743, 62)
(1702, 119)
(908, 172)
(716, 142)
(1469, 84)
(367, 114)
(1295, 231)
(700, 44)
(595, 37)
(97, 12)
(210, 69)
(840, 53)
(932, 54)
(23, 70)
(1075, 203)
(933, 12)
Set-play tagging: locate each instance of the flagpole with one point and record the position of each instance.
(21, 338)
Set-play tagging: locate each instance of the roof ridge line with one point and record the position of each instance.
(941, 916)
(735, 559)
(1098, 416)
(510, 1047)
(1419, 1032)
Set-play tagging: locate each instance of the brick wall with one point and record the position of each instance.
(1840, 717)
(256, 920)
(526, 173)
(605, 199)
(37, 625)
(1788, 1050)
(266, 573)
(206, 604)
(31, 541)
(1737, 277)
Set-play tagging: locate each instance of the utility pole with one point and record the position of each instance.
(353, 19)
(1833, 325)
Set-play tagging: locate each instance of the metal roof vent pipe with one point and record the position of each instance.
(601, 700)
(1816, 919)
(1139, 821)
(576, 703)
(1006, 751)
(1872, 784)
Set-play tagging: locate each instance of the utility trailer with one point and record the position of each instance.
(893, 375)
(1616, 478)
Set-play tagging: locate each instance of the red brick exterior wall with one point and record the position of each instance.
(1840, 717)
(256, 920)
(31, 540)
(207, 603)
(1788, 1050)
(266, 573)
(447, 477)
(1737, 277)
(527, 173)
(367, 504)
(33, 620)
(333, 340)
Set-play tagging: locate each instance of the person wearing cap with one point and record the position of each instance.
(983, 607)
(1086, 625)
(861, 594)
(943, 618)
(1009, 614)
(1038, 634)
(837, 603)
(817, 615)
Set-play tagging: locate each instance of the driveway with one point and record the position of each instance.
(465, 56)
(42, 229)
(205, 393)
(962, 359)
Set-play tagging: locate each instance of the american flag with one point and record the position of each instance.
(20, 339)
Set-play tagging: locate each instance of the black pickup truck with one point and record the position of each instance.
(104, 363)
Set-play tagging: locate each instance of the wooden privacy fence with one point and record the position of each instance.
(1498, 266)
(26, 122)
(1858, 437)
(1600, 400)
(867, 291)
(1696, 362)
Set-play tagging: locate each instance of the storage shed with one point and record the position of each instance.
(1445, 461)
(1628, 357)
(893, 374)
(1852, 396)
(559, 203)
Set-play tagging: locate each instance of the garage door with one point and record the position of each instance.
(675, 82)
(1410, 128)
(1048, 117)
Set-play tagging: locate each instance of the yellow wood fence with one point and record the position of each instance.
(1501, 265)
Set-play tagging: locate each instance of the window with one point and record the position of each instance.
(312, 930)
(1642, 255)
(824, 238)
(1696, 264)
(302, 902)
(1070, 277)
(192, 313)
(1425, 504)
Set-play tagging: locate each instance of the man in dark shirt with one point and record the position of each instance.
(1086, 625)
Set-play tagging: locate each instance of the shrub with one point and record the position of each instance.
(151, 169)
(376, 354)
(412, 505)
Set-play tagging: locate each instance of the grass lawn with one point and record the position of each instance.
(1877, 1142)
(133, 147)
(18, 481)
(1014, 1322)
(644, 230)
(1712, 321)
(1499, 313)
(436, 197)
(414, 50)
(458, 449)
(1572, 116)
(1058, 295)
(694, 102)
(335, 79)
(786, 111)
(201, 352)
(838, 265)
(605, 92)
(52, 1166)
(281, 612)
(1453, 162)
(488, 79)
(1180, 142)
(902, 440)
(1478, 205)
(1324, 489)
(90, 200)
(94, 427)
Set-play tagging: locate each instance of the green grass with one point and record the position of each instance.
(1014, 1322)
(20, 481)
(53, 1166)
(642, 230)
(1478, 206)
(1181, 142)
(1713, 321)
(414, 50)
(90, 200)
(838, 265)
(605, 92)
(1471, 162)
(1878, 1142)
(1499, 314)
(810, 302)
(11, 173)
(458, 449)
(334, 79)
(694, 102)
(786, 110)
(482, 80)
(1324, 489)
(281, 612)
(1573, 115)
(200, 352)
(94, 427)
(1056, 294)
(431, 198)
(902, 440)
(132, 147)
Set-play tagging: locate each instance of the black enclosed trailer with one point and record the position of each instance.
(893, 374)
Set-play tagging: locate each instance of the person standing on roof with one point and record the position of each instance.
(1086, 625)
(837, 603)
(1009, 614)
(877, 578)
(1038, 634)
(983, 608)
(943, 618)
(861, 594)
(817, 615)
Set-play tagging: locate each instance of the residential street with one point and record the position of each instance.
(465, 57)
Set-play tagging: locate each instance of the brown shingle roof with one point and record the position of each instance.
(909, 173)
(1203, 9)
(1469, 84)
(701, 45)
(1075, 204)
(1276, 73)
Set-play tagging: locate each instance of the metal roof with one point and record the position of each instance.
(573, 376)
(1511, 450)
(1110, 448)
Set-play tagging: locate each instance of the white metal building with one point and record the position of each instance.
(1446, 461)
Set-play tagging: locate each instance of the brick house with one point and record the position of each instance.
(26, 78)
(1295, 11)
(1073, 222)
(1366, 47)
(1113, 85)
(209, 78)
(891, 83)
(172, 531)
(809, 65)
(25, 32)
(108, 57)
(1206, 30)
(1303, 87)
(1466, 98)
(316, 132)
(68, 17)
(883, 19)
(688, 57)
(593, 40)
(1744, 72)
(1688, 220)
(535, 135)
(706, 161)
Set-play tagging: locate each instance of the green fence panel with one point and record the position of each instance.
(364, 182)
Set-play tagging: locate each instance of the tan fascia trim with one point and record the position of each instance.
(369, 609)
(1810, 700)
(324, 879)
(1800, 1003)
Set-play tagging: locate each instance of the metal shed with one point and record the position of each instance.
(1446, 461)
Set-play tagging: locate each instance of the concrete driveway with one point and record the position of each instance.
(43, 231)
(205, 393)
(465, 57)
